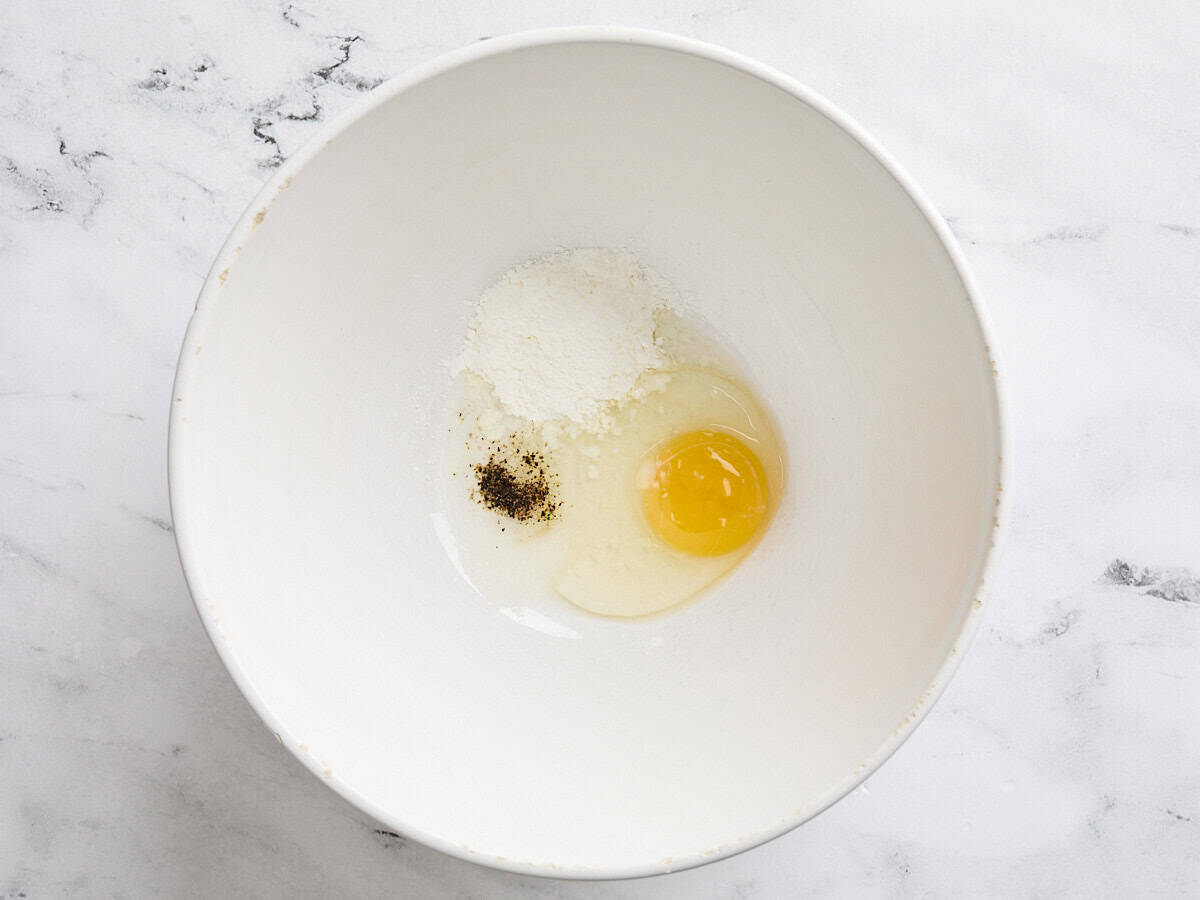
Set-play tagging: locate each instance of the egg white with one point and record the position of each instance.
(599, 552)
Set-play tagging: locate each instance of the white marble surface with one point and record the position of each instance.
(1062, 142)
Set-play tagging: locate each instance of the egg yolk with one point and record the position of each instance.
(707, 494)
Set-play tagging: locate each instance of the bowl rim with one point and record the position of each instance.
(281, 179)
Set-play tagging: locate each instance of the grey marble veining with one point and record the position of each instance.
(1062, 143)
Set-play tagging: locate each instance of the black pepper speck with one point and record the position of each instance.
(515, 483)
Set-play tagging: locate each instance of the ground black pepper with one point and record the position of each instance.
(514, 483)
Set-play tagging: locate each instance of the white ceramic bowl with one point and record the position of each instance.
(309, 508)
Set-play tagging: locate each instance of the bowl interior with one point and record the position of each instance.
(310, 506)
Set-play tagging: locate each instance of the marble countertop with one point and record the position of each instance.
(1062, 143)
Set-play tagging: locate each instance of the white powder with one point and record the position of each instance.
(567, 336)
